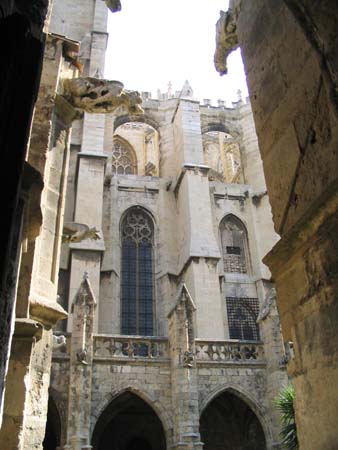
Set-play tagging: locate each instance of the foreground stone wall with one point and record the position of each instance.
(290, 61)
(37, 310)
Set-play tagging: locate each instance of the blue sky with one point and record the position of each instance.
(153, 42)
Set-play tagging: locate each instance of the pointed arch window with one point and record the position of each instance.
(123, 158)
(137, 276)
(234, 245)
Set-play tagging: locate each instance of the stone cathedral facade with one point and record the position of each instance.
(173, 337)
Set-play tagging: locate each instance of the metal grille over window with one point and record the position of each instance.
(242, 318)
(123, 159)
(233, 237)
(137, 274)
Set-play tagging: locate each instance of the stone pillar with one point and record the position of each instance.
(27, 332)
(270, 331)
(199, 251)
(81, 358)
(86, 255)
(184, 373)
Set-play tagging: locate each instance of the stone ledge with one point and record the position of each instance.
(89, 245)
(45, 311)
(92, 155)
(198, 168)
(133, 361)
(248, 364)
(27, 329)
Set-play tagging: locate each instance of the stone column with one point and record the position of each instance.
(184, 373)
(19, 383)
(81, 357)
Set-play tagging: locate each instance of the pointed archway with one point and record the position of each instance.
(228, 423)
(53, 427)
(128, 423)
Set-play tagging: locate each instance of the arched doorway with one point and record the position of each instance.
(228, 423)
(128, 423)
(53, 427)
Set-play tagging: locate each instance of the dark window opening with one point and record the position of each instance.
(242, 318)
(233, 250)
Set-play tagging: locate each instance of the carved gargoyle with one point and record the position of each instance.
(59, 343)
(76, 232)
(95, 95)
(226, 38)
(188, 359)
(113, 5)
(82, 356)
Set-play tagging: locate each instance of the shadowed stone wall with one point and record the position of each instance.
(289, 50)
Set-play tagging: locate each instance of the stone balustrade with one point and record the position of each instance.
(231, 351)
(107, 346)
(157, 348)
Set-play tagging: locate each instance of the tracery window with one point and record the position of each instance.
(123, 158)
(242, 318)
(234, 245)
(137, 287)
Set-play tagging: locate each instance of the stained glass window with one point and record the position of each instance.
(137, 289)
(123, 158)
(234, 245)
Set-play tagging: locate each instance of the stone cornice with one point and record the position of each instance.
(92, 155)
(45, 311)
(88, 245)
(197, 168)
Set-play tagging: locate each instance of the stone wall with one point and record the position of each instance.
(152, 381)
(290, 62)
(186, 206)
(26, 398)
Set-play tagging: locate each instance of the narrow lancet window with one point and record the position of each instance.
(137, 288)
(234, 245)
